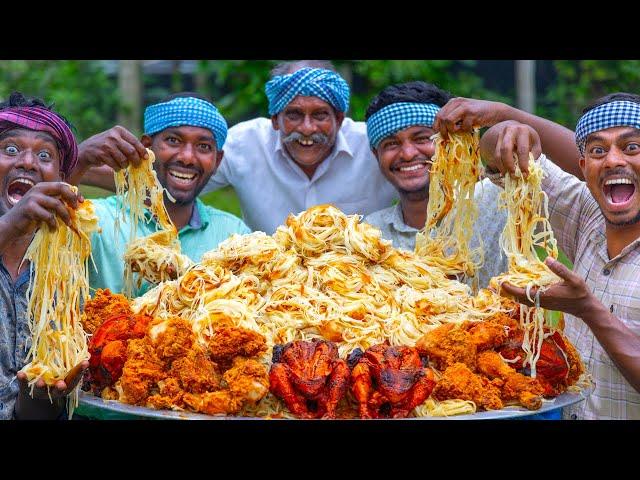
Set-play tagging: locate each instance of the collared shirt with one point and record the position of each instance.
(579, 227)
(270, 185)
(206, 229)
(15, 338)
(488, 228)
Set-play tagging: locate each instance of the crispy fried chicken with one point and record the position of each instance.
(102, 306)
(459, 382)
(230, 342)
(446, 345)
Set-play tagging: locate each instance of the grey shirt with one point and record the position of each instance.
(15, 337)
(488, 226)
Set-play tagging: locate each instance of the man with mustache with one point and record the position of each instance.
(597, 224)
(307, 153)
(187, 134)
(37, 151)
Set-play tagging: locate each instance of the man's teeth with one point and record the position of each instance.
(24, 180)
(619, 181)
(306, 142)
(182, 176)
(411, 169)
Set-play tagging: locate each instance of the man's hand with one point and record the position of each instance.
(462, 114)
(60, 390)
(116, 147)
(572, 295)
(40, 406)
(505, 140)
(42, 203)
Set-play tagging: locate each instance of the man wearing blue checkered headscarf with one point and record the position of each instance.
(400, 122)
(307, 153)
(596, 223)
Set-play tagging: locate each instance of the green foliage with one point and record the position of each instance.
(79, 89)
(581, 82)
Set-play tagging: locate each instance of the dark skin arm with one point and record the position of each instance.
(573, 296)
(100, 155)
(40, 407)
(558, 142)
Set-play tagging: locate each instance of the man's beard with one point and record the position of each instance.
(633, 221)
(417, 194)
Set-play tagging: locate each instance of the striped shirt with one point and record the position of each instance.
(205, 230)
(579, 227)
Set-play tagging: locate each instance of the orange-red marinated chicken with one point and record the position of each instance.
(108, 348)
(459, 382)
(309, 377)
(102, 306)
(558, 365)
(141, 373)
(389, 381)
(516, 387)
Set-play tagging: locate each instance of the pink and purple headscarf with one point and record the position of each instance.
(43, 120)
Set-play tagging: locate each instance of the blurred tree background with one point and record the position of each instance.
(89, 93)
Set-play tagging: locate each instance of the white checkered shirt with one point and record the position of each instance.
(579, 227)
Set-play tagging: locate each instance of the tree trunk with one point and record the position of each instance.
(130, 86)
(526, 85)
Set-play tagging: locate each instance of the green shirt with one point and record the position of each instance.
(205, 230)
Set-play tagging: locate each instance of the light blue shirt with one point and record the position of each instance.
(270, 185)
(205, 230)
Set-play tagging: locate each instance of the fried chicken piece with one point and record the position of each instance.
(229, 342)
(247, 382)
(309, 377)
(101, 307)
(169, 396)
(491, 333)
(389, 381)
(459, 382)
(525, 390)
(448, 344)
(141, 373)
(195, 372)
(172, 338)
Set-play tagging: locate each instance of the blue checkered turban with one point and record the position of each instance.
(186, 111)
(309, 82)
(612, 114)
(398, 116)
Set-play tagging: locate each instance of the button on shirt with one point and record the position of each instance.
(488, 227)
(15, 338)
(579, 227)
(205, 230)
(270, 185)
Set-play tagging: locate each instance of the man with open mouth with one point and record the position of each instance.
(186, 133)
(37, 151)
(597, 224)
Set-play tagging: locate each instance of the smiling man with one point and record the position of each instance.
(400, 125)
(597, 224)
(187, 134)
(307, 153)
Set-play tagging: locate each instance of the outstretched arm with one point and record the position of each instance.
(573, 296)
(558, 142)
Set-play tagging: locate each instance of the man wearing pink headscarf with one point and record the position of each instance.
(37, 152)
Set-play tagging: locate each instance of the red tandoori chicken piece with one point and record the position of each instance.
(389, 381)
(309, 377)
